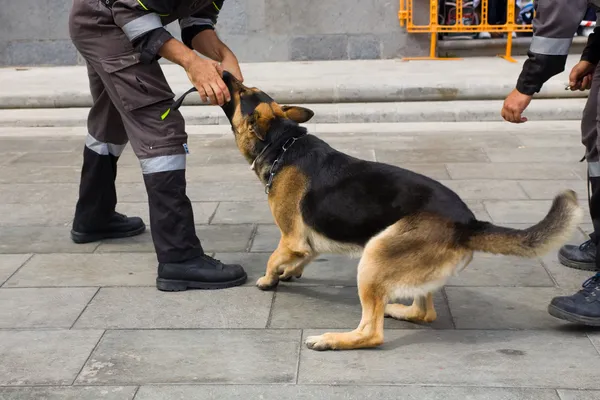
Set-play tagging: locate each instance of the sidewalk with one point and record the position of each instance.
(85, 322)
(484, 78)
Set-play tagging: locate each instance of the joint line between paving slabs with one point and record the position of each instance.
(89, 357)
(17, 270)
(552, 278)
(135, 392)
(445, 296)
(212, 217)
(252, 237)
(270, 316)
(299, 353)
(85, 308)
(592, 342)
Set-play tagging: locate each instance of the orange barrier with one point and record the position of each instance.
(406, 13)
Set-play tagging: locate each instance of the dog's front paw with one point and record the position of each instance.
(266, 283)
(319, 343)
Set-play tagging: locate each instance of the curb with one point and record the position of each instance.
(448, 111)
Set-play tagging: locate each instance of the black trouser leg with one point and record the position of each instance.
(171, 217)
(97, 192)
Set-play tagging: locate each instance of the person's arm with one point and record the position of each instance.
(591, 52)
(140, 20)
(205, 75)
(554, 25)
(198, 33)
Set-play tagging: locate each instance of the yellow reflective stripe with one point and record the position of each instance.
(143, 6)
(165, 114)
(146, 9)
(218, 9)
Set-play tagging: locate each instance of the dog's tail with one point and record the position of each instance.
(554, 230)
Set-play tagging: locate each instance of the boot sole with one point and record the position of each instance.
(81, 238)
(171, 285)
(567, 316)
(576, 264)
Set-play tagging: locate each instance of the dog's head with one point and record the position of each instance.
(254, 115)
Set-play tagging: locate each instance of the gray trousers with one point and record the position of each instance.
(128, 100)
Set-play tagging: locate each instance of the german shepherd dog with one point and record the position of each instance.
(411, 232)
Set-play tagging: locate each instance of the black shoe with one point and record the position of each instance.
(579, 257)
(203, 272)
(583, 307)
(118, 226)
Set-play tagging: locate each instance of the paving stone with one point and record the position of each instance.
(578, 394)
(243, 213)
(68, 393)
(198, 356)
(9, 158)
(147, 308)
(461, 358)
(202, 211)
(56, 159)
(40, 174)
(554, 140)
(503, 307)
(63, 270)
(535, 154)
(336, 308)
(266, 238)
(41, 239)
(520, 211)
(434, 171)
(400, 157)
(525, 170)
(35, 214)
(317, 392)
(212, 237)
(548, 189)
(51, 357)
(491, 270)
(473, 141)
(477, 208)
(49, 144)
(42, 308)
(486, 189)
(325, 270)
(10, 263)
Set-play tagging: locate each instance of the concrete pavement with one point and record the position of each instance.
(85, 321)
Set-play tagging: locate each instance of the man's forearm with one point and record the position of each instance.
(177, 52)
(209, 45)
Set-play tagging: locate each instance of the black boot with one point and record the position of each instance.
(182, 262)
(118, 226)
(584, 256)
(583, 307)
(95, 216)
(579, 257)
(203, 272)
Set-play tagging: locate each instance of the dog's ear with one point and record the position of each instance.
(298, 114)
(260, 126)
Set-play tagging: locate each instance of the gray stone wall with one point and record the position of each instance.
(35, 32)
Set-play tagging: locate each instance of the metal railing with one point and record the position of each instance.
(406, 14)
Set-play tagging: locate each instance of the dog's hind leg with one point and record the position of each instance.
(421, 310)
(373, 298)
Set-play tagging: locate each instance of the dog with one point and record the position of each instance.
(411, 232)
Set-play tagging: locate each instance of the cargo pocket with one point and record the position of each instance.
(138, 85)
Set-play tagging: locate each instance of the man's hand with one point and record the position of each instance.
(206, 76)
(581, 76)
(231, 65)
(514, 105)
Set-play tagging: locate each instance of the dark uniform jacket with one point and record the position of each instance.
(143, 21)
(554, 25)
